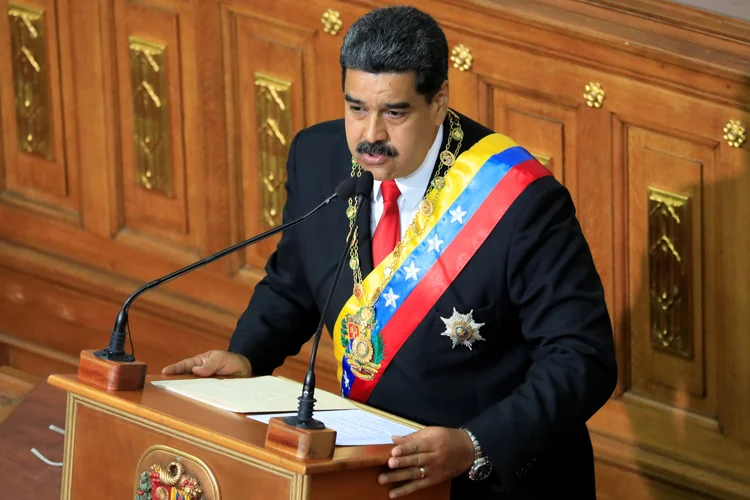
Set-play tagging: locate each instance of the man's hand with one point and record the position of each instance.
(427, 457)
(222, 363)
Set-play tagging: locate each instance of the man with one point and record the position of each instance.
(473, 305)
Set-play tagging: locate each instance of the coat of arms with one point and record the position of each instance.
(168, 483)
(362, 343)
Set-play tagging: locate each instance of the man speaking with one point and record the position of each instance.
(471, 302)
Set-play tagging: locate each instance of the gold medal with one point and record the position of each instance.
(447, 158)
(426, 208)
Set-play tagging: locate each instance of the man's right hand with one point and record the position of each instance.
(209, 363)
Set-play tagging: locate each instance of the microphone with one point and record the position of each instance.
(303, 419)
(116, 349)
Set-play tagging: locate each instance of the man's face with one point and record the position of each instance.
(389, 127)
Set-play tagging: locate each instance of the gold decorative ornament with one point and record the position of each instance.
(185, 477)
(273, 114)
(594, 94)
(669, 278)
(734, 133)
(168, 483)
(461, 58)
(151, 132)
(28, 46)
(331, 21)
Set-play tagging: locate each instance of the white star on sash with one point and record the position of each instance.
(390, 298)
(346, 381)
(434, 244)
(411, 271)
(457, 215)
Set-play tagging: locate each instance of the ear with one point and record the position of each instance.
(441, 103)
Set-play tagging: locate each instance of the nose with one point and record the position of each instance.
(375, 129)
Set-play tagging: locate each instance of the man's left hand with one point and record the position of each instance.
(428, 457)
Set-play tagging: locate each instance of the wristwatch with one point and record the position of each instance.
(482, 466)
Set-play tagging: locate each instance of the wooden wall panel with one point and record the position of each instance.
(269, 63)
(732, 286)
(41, 169)
(160, 172)
(546, 129)
(672, 356)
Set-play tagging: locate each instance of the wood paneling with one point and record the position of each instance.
(271, 90)
(156, 78)
(40, 155)
(127, 439)
(219, 88)
(672, 357)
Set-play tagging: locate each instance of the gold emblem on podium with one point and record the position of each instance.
(168, 474)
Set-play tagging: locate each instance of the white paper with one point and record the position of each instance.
(251, 395)
(353, 427)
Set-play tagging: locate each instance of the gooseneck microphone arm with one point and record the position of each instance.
(304, 419)
(116, 349)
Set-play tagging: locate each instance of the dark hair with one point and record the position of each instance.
(398, 40)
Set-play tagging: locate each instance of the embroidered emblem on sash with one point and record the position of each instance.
(462, 329)
(362, 343)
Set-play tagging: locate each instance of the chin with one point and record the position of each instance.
(379, 172)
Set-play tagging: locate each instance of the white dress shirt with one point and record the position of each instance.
(412, 187)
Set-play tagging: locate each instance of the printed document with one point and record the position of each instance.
(251, 395)
(354, 427)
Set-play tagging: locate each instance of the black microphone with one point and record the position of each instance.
(116, 349)
(303, 419)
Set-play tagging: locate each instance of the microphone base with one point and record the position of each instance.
(111, 374)
(299, 442)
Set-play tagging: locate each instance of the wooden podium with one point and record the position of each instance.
(116, 439)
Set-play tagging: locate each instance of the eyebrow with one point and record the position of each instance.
(388, 105)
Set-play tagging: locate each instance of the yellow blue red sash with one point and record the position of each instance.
(480, 186)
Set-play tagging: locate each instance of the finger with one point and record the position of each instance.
(414, 460)
(410, 445)
(208, 367)
(410, 488)
(182, 367)
(400, 475)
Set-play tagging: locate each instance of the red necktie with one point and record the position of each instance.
(388, 232)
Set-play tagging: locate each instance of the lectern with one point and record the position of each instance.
(152, 444)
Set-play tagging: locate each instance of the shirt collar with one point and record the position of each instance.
(414, 186)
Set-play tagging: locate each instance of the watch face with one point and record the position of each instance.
(481, 471)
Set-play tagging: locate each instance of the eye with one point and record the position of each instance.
(356, 109)
(395, 113)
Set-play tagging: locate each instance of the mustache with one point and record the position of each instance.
(376, 149)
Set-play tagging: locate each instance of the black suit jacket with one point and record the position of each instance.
(547, 363)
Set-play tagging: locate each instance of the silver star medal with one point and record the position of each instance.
(462, 329)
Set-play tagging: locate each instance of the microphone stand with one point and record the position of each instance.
(116, 349)
(115, 370)
(303, 419)
(302, 435)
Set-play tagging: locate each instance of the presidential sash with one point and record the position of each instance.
(480, 186)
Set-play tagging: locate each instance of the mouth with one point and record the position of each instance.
(374, 159)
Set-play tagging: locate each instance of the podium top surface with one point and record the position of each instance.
(226, 429)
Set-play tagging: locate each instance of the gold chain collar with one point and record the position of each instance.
(447, 159)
